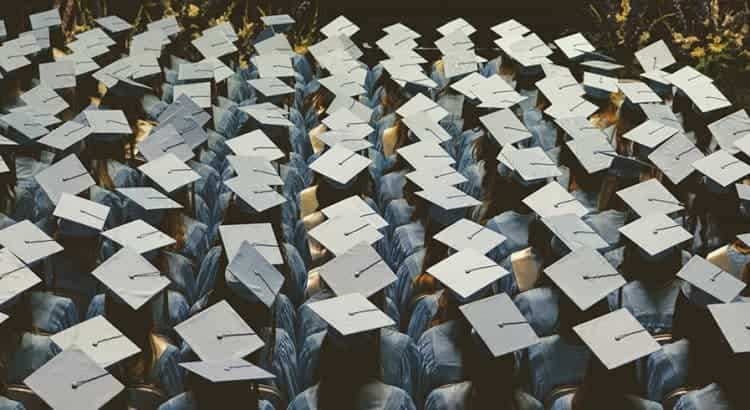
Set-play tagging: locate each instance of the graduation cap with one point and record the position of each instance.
(345, 120)
(458, 24)
(98, 339)
(15, 277)
(599, 86)
(165, 140)
(638, 92)
(571, 107)
(466, 234)
(340, 234)
(81, 211)
(343, 86)
(41, 119)
(72, 380)
(469, 84)
(221, 71)
(675, 157)
(267, 114)
(731, 129)
(552, 200)
(732, 320)
(258, 196)
(114, 24)
(58, 75)
(421, 103)
(505, 127)
(274, 65)
(44, 99)
(26, 127)
(27, 242)
(617, 338)
(709, 278)
(200, 71)
(425, 129)
(359, 270)
(65, 176)
(575, 46)
(351, 314)
(168, 25)
(139, 235)
(355, 206)
(650, 197)
(467, 272)
(425, 155)
(258, 168)
(200, 93)
(510, 28)
(500, 325)
(227, 371)
(340, 164)
(12, 58)
(650, 133)
(655, 233)
(532, 164)
(183, 106)
(44, 19)
(361, 111)
(271, 87)
(219, 333)
(722, 168)
(264, 240)
(495, 93)
(279, 22)
(169, 172)
(340, 26)
(435, 178)
(83, 64)
(66, 135)
(591, 152)
(149, 198)
(579, 127)
(108, 122)
(131, 277)
(251, 276)
(585, 276)
(655, 56)
(573, 232)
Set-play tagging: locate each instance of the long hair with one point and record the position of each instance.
(208, 395)
(138, 326)
(636, 267)
(602, 388)
(492, 382)
(327, 194)
(344, 369)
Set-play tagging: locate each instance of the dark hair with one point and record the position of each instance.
(207, 394)
(327, 194)
(602, 388)
(138, 326)
(635, 266)
(570, 316)
(344, 369)
(492, 383)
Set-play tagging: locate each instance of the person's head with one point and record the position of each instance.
(603, 388)
(330, 192)
(655, 270)
(492, 379)
(137, 325)
(345, 365)
(579, 177)
(570, 316)
(208, 395)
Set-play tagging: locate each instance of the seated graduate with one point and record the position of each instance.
(489, 362)
(350, 360)
(233, 382)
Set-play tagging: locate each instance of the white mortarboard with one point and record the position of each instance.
(168, 25)
(655, 56)
(605, 66)
(448, 198)
(496, 93)
(25, 124)
(219, 333)
(532, 164)
(591, 152)
(400, 28)
(198, 92)
(98, 339)
(258, 168)
(41, 118)
(574, 45)
(30, 42)
(657, 76)
(638, 92)
(184, 106)
(271, 86)
(510, 28)
(340, 164)
(469, 84)
(131, 277)
(650, 197)
(458, 24)
(221, 70)
(340, 234)
(65, 176)
(651, 133)
(28, 242)
(139, 235)
(114, 24)
(459, 63)
(165, 140)
(200, 71)
(232, 370)
(81, 211)
(617, 338)
(585, 276)
(44, 99)
(675, 157)
(466, 234)
(258, 196)
(267, 114)
(351, 314)
(500, 324)
(348, 139)
(687, 77)
(72, 380)
(263, 239)
(57, 75)
(573, 232)
(148, 43)
(707, 97)
(256, 274)
(12, 58)
(732, 320)
(552, 199)
(571, 107)
(43, 19)
(359, 270)
(3, 30)
(730, 129)
(467, 272)
(722, 168)
(425, 129)
(277, 20)
(560, 87)
(345, 120)
(66, 135)
(425, 154)
(189, 127)
(655, 233)
(342, 86)
(355, 207)
(149, 198)
(362, 111)
(274, 65)
(434, 178)
(597, 83)
(108, 122)
(743, 192)
(394, 44)
(711, 279)
(505, 127)
(95, 36)
(579, 127)
(15, 276)
(421, 103)
(88, 48)
(338, 27)
(743, 144)
(169, 172)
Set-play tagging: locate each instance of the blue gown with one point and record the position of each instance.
(652, 306)
(540, 307)
(515, 227)
(33, 352)
(667, 370)
(634, 403)
(186, 401)
(51, 313)
(8, 404)
(373, 396)
(442, 360)
(453, 397)
(553, 362)
(710, 397)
